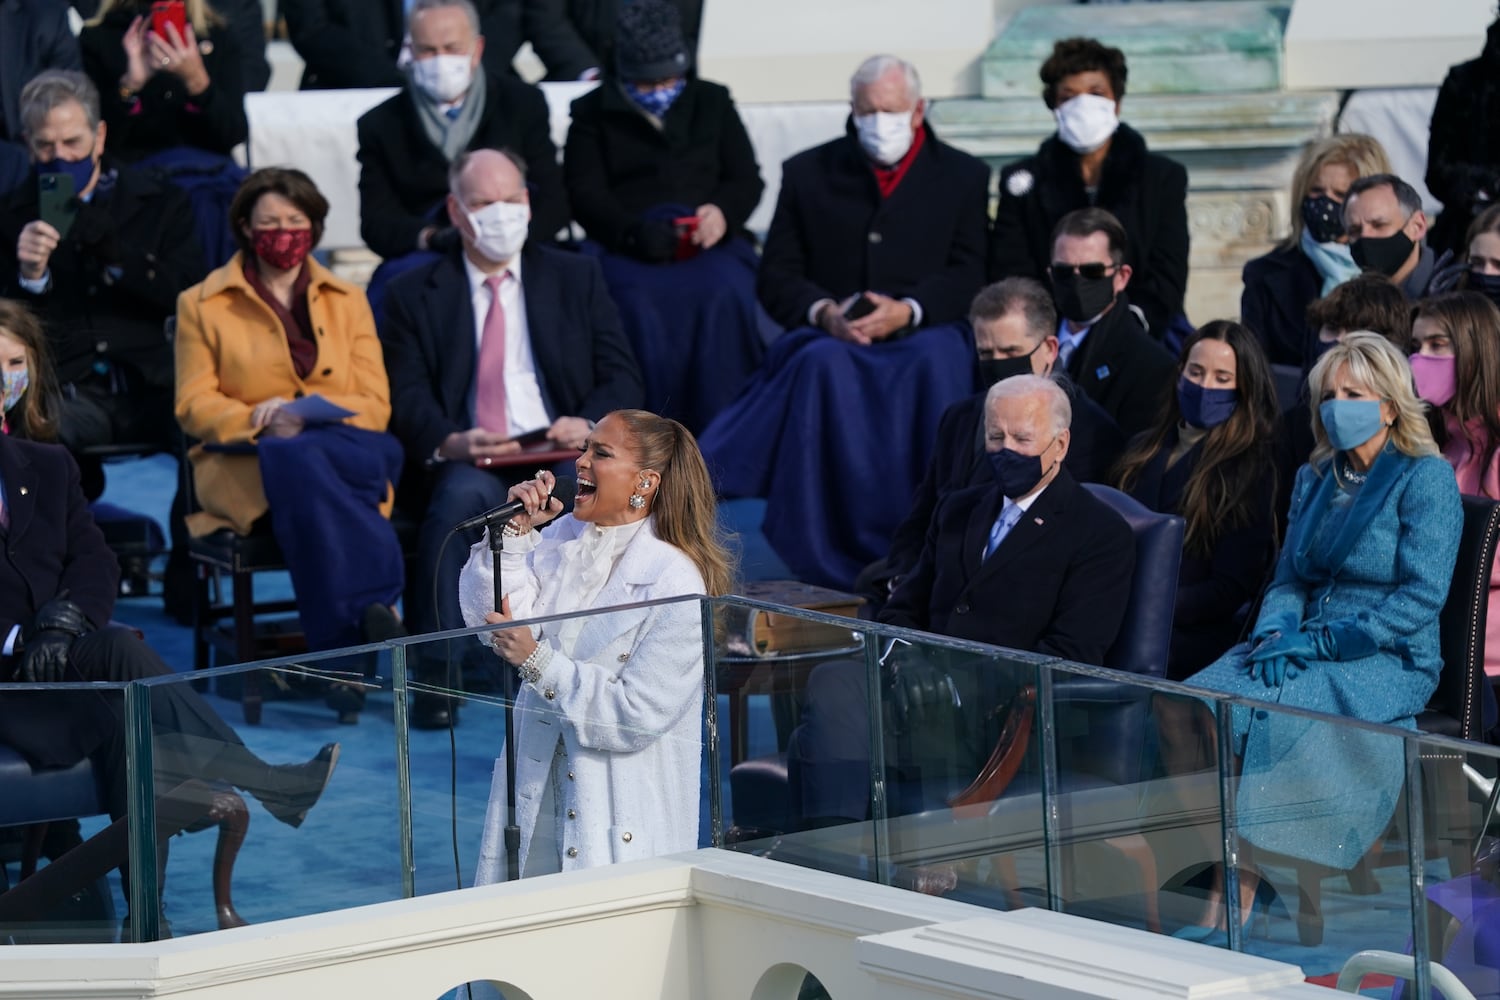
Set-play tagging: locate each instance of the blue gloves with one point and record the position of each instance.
(1281, 654)
(1273, 671)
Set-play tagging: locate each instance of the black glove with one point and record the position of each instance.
(921, 693)
(653, 241)
(45, 646)
(444, 239)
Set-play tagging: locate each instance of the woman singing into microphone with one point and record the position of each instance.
(609, 716)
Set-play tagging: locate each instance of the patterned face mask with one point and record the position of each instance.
(13, 385)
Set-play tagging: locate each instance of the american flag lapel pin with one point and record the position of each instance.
(1038, 520)
(24, 491)
(1102, 372)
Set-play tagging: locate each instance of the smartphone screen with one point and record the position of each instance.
(686, 226)
(56, 204)
(859, 308)
(165, 12)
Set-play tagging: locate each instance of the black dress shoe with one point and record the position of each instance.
(297, 787)
(432, 712)
(380, 624)
(347, 700)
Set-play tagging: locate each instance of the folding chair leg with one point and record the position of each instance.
(244, 644)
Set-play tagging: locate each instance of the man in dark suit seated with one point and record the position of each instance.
(1015, 332)
(103, 286)
(57, 590)
(484, 344)
(1031, 561)
(35, 35)
(448, 105)
(875, 250)
(356, 43)
(1102, 340)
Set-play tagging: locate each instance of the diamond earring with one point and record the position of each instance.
(637, 501)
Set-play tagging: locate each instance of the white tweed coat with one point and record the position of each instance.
(626, 699)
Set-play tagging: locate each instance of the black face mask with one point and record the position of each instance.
(1487, 285)
(1081, 299)
(1383, 254)
(1323, 217)
(992, 370)
(1017, 474)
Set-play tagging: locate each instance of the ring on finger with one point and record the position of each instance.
(166, 60)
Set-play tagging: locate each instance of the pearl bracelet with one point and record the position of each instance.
(511, 531)
(531, 668)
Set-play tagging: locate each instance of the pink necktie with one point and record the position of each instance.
(489, 380)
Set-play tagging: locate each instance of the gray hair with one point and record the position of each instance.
(1406, 195)
(1027, 296)
(52, 88)
(462, 160)
(1030, 385)
(875, 67)
(466, 6)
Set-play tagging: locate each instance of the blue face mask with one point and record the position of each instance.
(82, 171)
(1487, 285)
(1349, 423)
(1202, 407)
(657, 102)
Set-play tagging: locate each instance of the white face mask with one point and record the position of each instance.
(500, 230)
(444, 78)
(1086, 122)
(885, 136)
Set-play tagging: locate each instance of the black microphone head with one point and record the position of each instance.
(565, 488)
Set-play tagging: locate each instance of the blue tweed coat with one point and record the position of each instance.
(1376, 571)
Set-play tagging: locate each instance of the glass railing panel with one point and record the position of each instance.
(74, 896)
(1455, 846)
(1134, 828)
(609, 753)
(297, 814)
(1315, 812)
(963, 771)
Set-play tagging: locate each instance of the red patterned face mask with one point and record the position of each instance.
(285, 249)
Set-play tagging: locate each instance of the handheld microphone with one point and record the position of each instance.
(565, 488)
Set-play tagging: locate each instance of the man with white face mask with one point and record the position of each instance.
(1095, 161)
(873, 255)
(496, 338)
(448, 105)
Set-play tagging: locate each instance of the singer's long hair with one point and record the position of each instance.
(685, 508)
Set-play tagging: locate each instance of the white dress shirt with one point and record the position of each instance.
(524, 409)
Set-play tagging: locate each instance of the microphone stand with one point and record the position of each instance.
(508, 693)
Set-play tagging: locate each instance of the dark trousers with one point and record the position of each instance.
(325, 486)
(928, 758)
(60, 728)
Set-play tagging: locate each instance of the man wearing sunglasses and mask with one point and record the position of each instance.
(1102, 340)
(1015, 333)
(1388, 233)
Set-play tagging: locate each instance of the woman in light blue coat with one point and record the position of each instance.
(1349, 625)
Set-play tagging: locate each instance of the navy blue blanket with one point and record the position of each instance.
(694, 326)
(325, 486)
(837, 437)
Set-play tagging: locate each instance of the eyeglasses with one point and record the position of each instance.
(1089, 272)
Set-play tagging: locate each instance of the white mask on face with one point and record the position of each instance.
(500, 230)
(444, 78)
(885, 136)
(1086, 122)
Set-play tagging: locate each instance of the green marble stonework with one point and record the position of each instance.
(1205, 47)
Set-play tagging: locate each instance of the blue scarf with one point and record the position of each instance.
(657, 102)
(1333, 261)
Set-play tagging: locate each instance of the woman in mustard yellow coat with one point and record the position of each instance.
(281, 380)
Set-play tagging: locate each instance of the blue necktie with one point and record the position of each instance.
(1009, 515)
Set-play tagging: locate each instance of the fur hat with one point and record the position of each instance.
(648, 41)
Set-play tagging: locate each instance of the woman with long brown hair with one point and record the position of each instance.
(612, 700)
(1209, 457)
(1455, 360)
(29, 395)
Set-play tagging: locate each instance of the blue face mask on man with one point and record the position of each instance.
(82, 171)
(1017, 474)
(1349, 423)
(658, 100)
